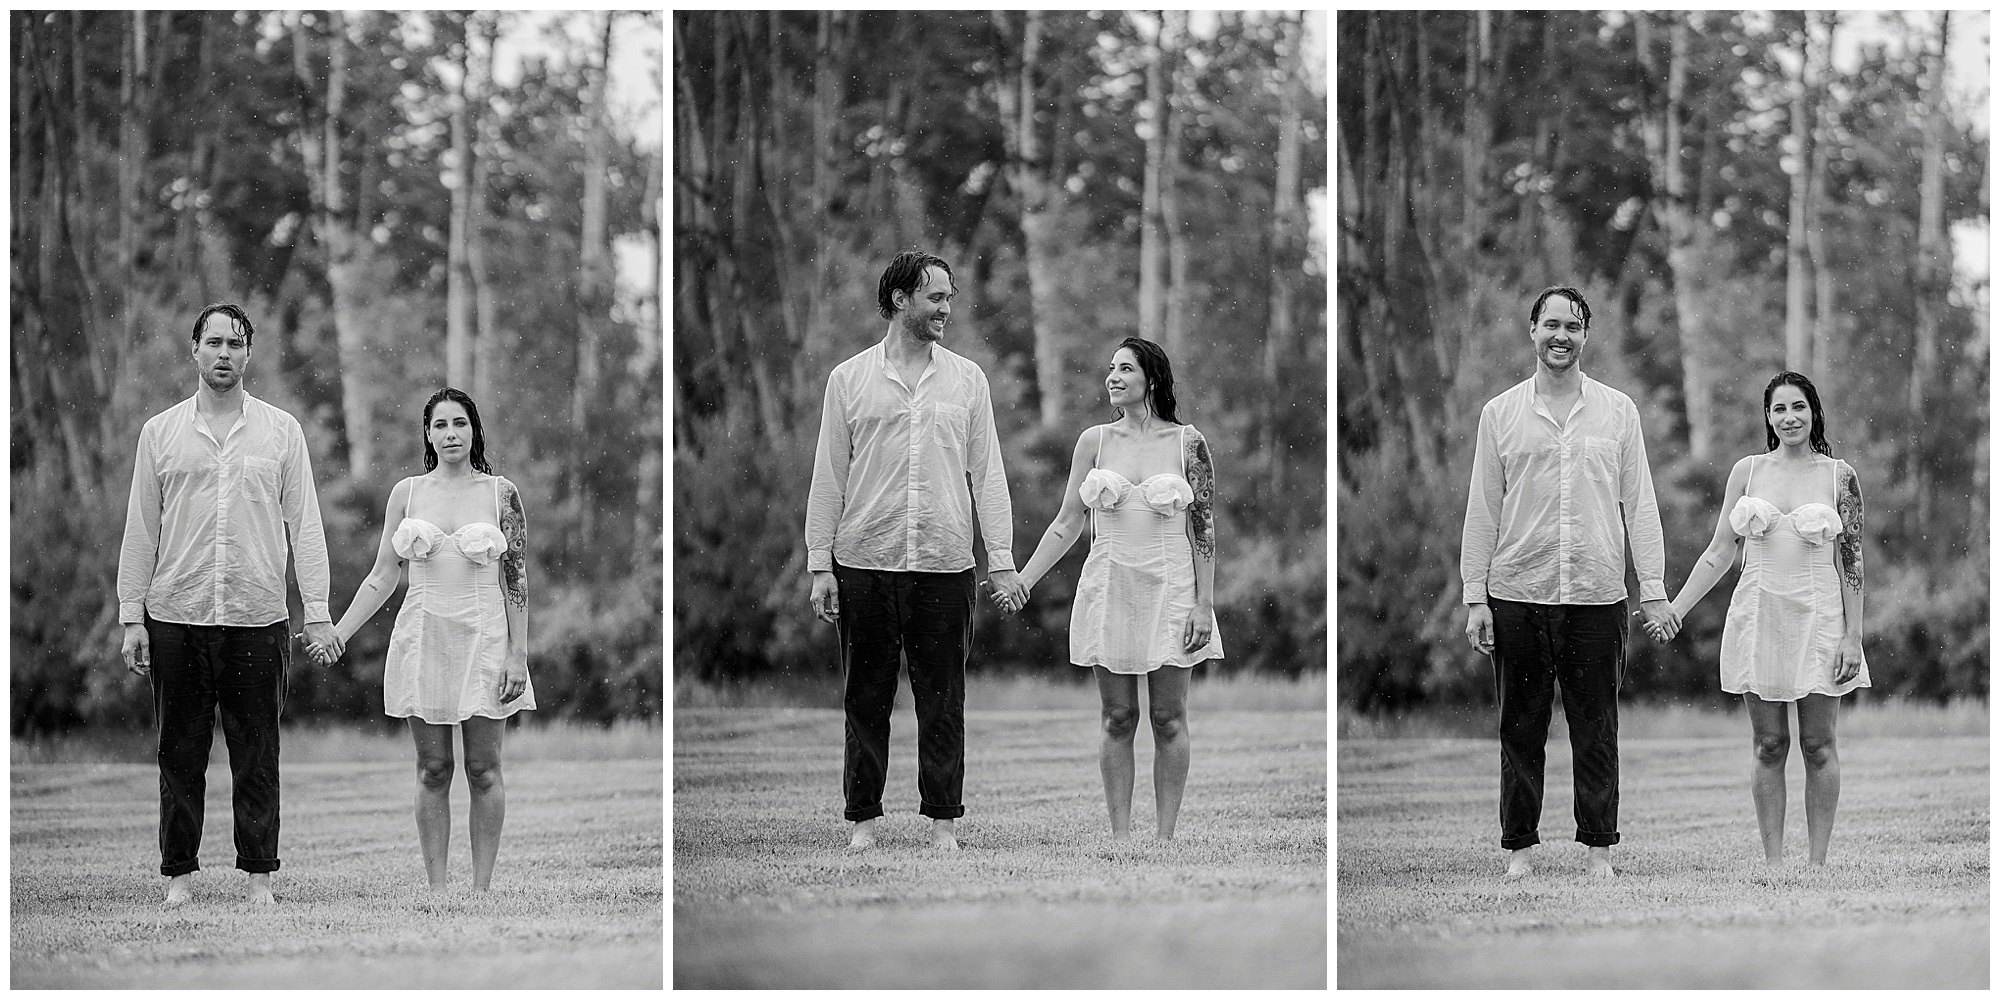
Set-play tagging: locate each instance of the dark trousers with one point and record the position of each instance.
(197, 668)
(1581, 647)
(924, 618)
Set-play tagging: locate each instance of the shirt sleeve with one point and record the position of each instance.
(989, 483)
(300, 505)
(140, 551)
(1642, 513)
(827, 500)
(1482, 512)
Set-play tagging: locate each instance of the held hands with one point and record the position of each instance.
(1662, 621)
(1007, 590)
(323, 642)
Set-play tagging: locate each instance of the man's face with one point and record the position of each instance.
(221, 353)
(925, 312)
(1559, 334)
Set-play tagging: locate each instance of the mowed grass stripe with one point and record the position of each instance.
(766, 895)
(578, 887)
(1420, 900)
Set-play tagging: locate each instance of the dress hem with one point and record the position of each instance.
(1835, 693)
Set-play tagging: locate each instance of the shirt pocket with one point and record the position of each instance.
(262, 481)
(1601, 460)
(951, 424)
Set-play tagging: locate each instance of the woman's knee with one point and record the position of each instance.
(1169, 722)
(434, 770)
(1772, 748)
(1817, 749)
(1121, 722)
(482, 774)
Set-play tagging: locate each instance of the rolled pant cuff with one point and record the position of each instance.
(257, 866)
(941, 812)
(180, 868)
(1516, 843)
(862, 814)
(1596, 839)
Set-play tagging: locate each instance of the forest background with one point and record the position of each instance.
(400, 201)
(1090, 176)
(1736, 193)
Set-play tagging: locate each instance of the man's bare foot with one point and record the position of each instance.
(864, 835)
(260, 889)
(1599, 864)
(180, 889)
(1521, 864)
(943, 835)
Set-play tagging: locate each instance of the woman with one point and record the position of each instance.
(458, 654)
(1793, 634)
(1145, 604)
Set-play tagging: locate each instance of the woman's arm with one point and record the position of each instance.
(1201, 537)
(1720, 556)
(514, 585)
(387, 575)
(1063, 531)
(1852, 518)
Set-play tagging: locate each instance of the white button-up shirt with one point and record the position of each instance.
(889, 477)
(206, 526)
(1551, 506)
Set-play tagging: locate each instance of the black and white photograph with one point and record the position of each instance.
(999, 513)
(1663, 499)
(337, 411)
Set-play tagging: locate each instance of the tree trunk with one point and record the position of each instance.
(1798, 322)
(132, 156)
(1287, 250)
(1662, 129)
(1933, 270)
(485, 310)
(1170, 205)
(1152, 303)
(1823, 133)
(458, 264)
(1042, 208)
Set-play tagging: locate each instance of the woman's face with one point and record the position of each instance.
(450, 432)
(1790, 415)
(1125, 381)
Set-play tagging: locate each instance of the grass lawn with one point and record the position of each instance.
(1904, 901)
(576, 900)
(766, 895)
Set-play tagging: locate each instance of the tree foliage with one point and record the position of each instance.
(810, 147)
(1646, 158)
(218, 120)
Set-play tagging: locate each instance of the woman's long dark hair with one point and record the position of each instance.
(471, 413)
(1159, 374)
(1817, 437)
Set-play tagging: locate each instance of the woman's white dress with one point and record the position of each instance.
(448, 651)
(1136, 592)
(1786, 619)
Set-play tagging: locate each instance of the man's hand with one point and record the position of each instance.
(1008, 590)
(1847, 659)
(137, 649)
(1479, 627)
(324, 642)
(1662, 621)
(826, 596)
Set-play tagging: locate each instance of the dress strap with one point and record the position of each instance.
(1747, 491)
(1097, 460)
(496, 501)
(1183, 452)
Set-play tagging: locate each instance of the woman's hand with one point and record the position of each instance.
(1200, 625)
(1847, 660)
(514, 680)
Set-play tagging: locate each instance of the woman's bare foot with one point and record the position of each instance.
(1521, 863)
(1599, 863)
(180, 889)
(260, 889)
(864, 835)
(944, 836)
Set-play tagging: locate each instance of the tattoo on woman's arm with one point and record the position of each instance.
(1201, 514)
(514, 564)
(1852, 517)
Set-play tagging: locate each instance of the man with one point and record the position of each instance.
(1559, 483)
(221, 486)
(906, 424)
